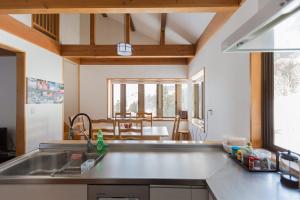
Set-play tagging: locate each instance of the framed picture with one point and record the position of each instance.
(44, 92)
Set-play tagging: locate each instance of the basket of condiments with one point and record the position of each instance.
(254, 160)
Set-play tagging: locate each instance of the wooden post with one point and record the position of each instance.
(92, 29)
(127, 28)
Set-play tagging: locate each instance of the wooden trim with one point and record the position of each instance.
(13, 26)
(140, 51)
(92, 29)
(256, 100)
(178, 93)
(213, 27)
(4, 52)
(141, 98)
(21, 99)
(133, 61)
(127, 28)
(123, 98)
(78, 92)
(163, 24)
(108, 6)
(73, 60)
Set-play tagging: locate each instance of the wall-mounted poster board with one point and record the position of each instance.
(44, 92)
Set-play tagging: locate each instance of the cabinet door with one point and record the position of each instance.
(43, 192)
(199, 194)
(171, 193)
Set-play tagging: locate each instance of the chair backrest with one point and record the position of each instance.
(130, 126)
(106, 126)
(146, 117)
(175, 135)
(122, 116)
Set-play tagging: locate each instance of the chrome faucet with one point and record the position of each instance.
(90, 146)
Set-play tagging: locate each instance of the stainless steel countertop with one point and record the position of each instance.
(178, 165)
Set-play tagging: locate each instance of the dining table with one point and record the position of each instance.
(149, 133)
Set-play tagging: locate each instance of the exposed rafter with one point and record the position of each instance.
(163, 28)
(109, 6)
(127, 28)
(140, 51)
(132, 27)
(133, 61)
(216, 24)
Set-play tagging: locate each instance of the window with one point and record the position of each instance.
(199, 94)
(132, 98)
(281, 101)
(163, 100)
(169, 99)
(151, 98)
(184, 97)
(117, 98)
(287, 101)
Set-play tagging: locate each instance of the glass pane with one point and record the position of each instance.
(132, 98)
(200, 109)
(117, 99)
(184, 97)
(287, 101)
(169, 100)
(150, 99)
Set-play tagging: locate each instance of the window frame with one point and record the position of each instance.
(267, 60)
(141, 99)
(199, 83)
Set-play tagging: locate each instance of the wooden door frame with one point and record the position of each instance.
(21, 99)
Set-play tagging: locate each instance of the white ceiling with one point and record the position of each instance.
(182, 28)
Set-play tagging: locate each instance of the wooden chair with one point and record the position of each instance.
(122, 116)
(129, 132)
(146, 117)
(180, 134)
(175, 135)
(107, 126)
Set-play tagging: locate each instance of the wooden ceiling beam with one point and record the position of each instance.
(115, 6)
(133, 61)
(214, 26)
(139, 51)
(163, 28)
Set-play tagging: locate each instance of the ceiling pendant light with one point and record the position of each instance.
(125, 48)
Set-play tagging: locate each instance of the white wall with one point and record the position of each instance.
(43, 122)
(227, 81)
(8, 95)
(24, 18)
(69, 28)
(71, 89)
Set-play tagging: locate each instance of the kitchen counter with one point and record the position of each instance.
(169, 163)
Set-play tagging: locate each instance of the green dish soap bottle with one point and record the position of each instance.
(101, 146)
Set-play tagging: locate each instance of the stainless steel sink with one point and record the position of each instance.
(51, 164)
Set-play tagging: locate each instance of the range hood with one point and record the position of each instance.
(275, 27)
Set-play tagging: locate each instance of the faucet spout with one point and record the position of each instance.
(89, 136)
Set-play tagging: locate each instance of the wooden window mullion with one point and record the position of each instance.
(123, 98)
(141, 98)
